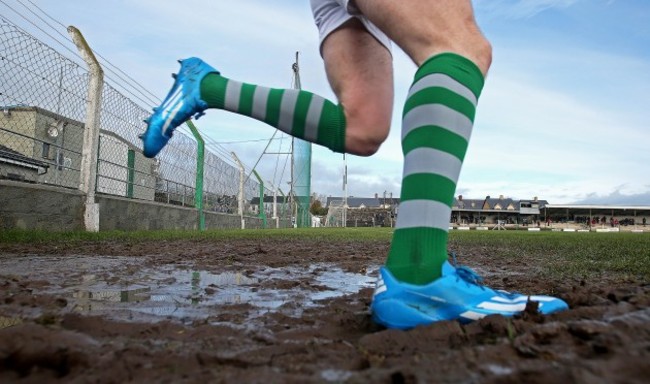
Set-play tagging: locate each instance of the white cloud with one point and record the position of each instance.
(219, 24)
(616, 197)
(520, 9)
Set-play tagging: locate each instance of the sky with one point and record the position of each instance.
(563, 115)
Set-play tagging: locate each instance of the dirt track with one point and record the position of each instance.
(245, 311)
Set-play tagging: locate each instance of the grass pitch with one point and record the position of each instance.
(561, 254)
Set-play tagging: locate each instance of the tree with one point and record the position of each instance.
(317, 209)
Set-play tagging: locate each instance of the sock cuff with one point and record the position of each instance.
(456, 66)
(333, 136)
(213, 90)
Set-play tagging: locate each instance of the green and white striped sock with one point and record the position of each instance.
(296, 112)
(436, 127)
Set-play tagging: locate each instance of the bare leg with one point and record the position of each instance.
(423, 28)
(360, 71)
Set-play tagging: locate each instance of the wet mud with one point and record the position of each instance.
(244, 311)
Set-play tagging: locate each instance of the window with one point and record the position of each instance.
(45, 153)
(60, 161)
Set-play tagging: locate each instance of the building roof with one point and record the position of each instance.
(485, 205)
(366, 202)
(17, 158)
(39, 110)
(598, 206)
(490, 204)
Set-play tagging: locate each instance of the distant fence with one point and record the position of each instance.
(43, 101)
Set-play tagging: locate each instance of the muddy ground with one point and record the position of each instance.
(231, 311)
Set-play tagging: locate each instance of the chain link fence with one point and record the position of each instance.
(43, 98)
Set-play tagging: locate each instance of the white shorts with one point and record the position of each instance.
(331, 14)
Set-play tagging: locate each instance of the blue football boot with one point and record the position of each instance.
(456, 295)
(182, 102)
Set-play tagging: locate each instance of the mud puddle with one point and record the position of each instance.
(122, 289)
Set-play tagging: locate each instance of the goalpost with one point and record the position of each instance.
(336, 214)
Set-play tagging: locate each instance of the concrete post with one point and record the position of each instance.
(89, 154)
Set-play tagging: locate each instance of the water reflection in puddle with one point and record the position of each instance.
(121, 287)
(172, 291)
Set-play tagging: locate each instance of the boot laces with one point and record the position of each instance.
(469, 276)
(466, 273)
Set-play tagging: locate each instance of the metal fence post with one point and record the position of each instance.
(262, 214)
(240, 196)
(89, 154)
(200, 156)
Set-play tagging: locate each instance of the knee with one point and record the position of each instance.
(466, 40)
(367, 124)
(475, 47)
(483, 54)
(365, 142)
(471, 42)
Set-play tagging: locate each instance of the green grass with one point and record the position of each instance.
(334, 234)
(561, 254)
(565, 254)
